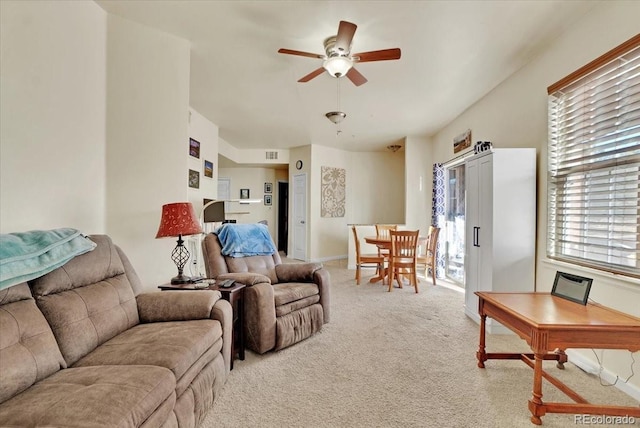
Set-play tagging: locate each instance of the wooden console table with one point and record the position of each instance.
(550, 325)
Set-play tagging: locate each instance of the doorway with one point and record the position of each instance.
(455, 222)
(283, 216)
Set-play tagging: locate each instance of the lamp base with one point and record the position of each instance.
(180, 279)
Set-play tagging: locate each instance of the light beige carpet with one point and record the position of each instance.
(395, 359)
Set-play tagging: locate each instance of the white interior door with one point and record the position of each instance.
(224, 191)
(300, 217)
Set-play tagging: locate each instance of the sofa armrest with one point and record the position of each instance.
(260, 318)
(223, 313)
(160, 306)
(297, 272)
(323, 279)
(246, 278)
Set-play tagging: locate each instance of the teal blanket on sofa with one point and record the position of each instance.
(29, 255)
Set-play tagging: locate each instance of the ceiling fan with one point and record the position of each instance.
(338, 60)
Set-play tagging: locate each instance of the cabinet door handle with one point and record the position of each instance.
(476, 236)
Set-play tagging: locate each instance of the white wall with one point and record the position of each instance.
(252, 179)
(205, 132)
(418, 183)
(147, 141)
(514, 114)
(376, 183)
(52, 115)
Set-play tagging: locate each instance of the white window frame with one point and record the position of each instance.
(594, 164)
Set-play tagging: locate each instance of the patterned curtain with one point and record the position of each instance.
(437, 214)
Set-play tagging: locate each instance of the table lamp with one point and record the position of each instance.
(179, 219)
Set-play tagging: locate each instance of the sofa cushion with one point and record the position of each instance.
(88, 300)
(288, 292)
(105, 396)
(298, 304)
(28, 350)
(264, 265)
(176, 346)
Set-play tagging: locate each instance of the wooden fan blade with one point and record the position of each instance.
(299, 53)
(346, 30)
(383, 55)
(355, 76)
(311, 75)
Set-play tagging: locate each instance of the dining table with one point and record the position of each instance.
(384, 243)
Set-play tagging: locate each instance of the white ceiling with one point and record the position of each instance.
(453, 53)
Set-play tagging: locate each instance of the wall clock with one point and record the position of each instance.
(298, 164)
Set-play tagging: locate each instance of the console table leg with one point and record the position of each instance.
(536, 406)
(481, 355)
(562, 358)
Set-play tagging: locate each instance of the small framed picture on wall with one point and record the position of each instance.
(194, 148)
(267, 199)
(208, 169)
(268, 187)
(194, 179)
(244, 193)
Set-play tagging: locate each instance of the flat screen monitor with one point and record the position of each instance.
(214, 212)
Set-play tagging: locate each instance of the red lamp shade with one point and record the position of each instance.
(178, 219)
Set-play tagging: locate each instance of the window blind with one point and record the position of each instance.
(594, 164)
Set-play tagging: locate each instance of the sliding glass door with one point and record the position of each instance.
(454, 222)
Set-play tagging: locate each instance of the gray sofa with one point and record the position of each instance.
(284, 303)
(82, 347)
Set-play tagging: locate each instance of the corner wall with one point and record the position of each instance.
(147, 141)
(52, 116)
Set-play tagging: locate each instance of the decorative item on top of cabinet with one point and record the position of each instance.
(500, 230)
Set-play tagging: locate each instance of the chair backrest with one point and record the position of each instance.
(216, 263)
(432, 241)
(404, 243)
(382, 230)
(357, 242)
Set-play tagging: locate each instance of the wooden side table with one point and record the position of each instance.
(235, 296)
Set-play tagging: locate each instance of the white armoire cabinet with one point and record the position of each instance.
(500, 231)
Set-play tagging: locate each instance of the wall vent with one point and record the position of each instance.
(271, 155)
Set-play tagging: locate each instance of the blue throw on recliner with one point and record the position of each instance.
(244, 240)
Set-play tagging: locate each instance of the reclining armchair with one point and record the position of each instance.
(284, 303)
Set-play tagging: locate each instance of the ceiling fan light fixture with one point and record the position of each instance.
(338, 66)
(394, 147)
(336, 116)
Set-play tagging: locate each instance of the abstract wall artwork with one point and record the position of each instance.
(333, 192)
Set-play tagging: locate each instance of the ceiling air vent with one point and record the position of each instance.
(271, 155)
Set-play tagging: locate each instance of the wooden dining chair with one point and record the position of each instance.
(382, 231)
(427, 253)
(366, 260)
(403, 257)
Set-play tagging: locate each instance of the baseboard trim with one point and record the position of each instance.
(328, 259)
(607, 376)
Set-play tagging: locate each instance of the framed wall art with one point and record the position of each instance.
(267, 199)
(194, 179)
(462, 141)
(244, 193)
(268, 187)
(208, 169)
(194, 148)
